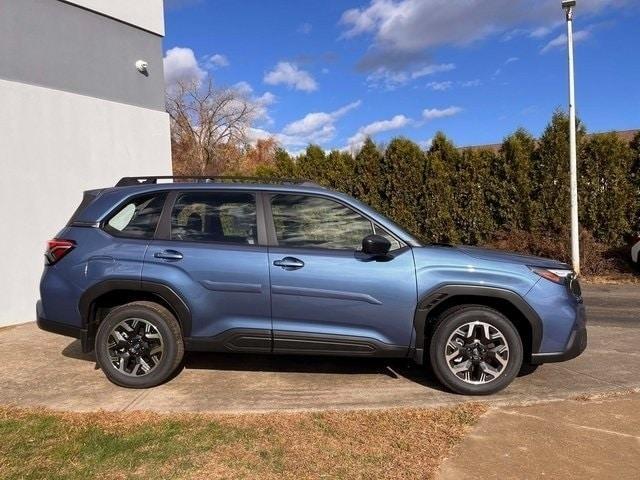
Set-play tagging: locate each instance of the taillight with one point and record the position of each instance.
(56, 249)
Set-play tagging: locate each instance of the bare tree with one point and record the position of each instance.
(209, 127)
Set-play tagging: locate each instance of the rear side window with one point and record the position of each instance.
(138, 218)
(226, 217)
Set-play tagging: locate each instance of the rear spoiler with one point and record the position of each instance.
(87, 199)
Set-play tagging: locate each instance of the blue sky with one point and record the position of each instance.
(333, 71)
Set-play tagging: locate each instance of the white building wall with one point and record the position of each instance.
(76, 115)
(53, 146)
(147, 14)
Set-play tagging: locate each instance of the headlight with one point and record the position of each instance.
(554, 275)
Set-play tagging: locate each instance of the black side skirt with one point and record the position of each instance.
(296, 343)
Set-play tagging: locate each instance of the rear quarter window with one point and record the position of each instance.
(138, 218)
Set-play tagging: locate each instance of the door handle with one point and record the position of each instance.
(289, 263)
(168, 255)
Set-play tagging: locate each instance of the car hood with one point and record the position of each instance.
(511, 257)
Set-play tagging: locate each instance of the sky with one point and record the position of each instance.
(332, 72)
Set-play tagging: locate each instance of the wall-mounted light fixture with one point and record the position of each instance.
(143, 67)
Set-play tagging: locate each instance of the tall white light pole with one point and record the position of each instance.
(568, 5)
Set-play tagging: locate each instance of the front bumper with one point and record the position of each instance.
(575, 346)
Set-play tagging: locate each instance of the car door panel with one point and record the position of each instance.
(341, 293)
(338, 300)
(225, 284)
(226, 287)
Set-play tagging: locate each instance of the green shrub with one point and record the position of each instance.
(466, 195)
(512, 181)
(606, 189)
(439, 206)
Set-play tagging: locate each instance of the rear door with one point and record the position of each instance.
(119, 248)
(327, 296)
(210, 249)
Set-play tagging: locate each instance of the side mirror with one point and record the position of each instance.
(375, 245)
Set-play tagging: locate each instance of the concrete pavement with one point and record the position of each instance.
(571, 439)
(42, 369)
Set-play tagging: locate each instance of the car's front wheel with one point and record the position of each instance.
(475, 350)
(139, 345)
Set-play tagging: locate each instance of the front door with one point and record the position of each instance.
(209, 252)
(327, 296)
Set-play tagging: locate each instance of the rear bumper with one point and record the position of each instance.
(61, 328)
(576, 345)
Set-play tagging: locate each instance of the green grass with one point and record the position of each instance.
(46, 445)
(36, 444)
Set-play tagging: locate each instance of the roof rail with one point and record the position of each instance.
(145, 180)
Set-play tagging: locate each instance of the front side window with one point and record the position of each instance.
(316, 222)
(227, 217)
(138, 218)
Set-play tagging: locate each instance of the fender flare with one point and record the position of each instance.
(435, 297)
(160, 290)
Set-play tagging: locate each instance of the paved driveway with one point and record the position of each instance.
(41, 369)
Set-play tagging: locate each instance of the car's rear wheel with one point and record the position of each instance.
(475, 350)
(139, 345)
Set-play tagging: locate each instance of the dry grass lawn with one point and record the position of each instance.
(389, 444)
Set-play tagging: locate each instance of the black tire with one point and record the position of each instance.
(165, 324)
(456, 317)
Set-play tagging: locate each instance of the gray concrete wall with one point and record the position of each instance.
(76, 115)
(58, 45)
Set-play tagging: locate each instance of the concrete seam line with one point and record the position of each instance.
(590, 376)
(574, 425)
(602, 430)
(135, 400)
(632, 354)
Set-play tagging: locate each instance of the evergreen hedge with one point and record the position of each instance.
(446, 194)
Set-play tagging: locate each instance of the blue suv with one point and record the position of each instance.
(148, 269)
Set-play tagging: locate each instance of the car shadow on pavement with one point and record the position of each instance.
(390, 368)
(74, 350)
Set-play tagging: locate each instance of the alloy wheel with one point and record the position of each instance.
(477, 353)
(135, 347)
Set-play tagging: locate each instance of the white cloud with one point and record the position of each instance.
(511, 60)
(216, 61)
(243, 87)
(390, 79)
(404, 30)
(287, 73)
(356, 141)
(180, 65)
(540, 32)
(315, 120)
(260, 104)
(431, 69)
(561, 40)
(434, 113)
(440, 86)
(471, 83)
(315, 127)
